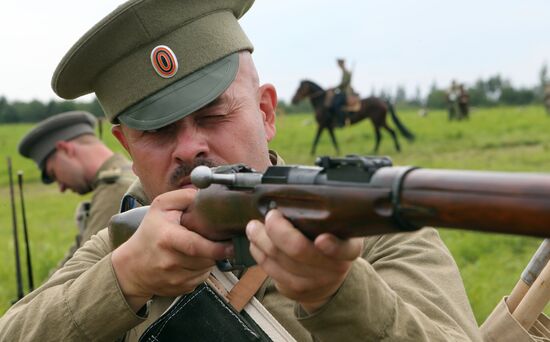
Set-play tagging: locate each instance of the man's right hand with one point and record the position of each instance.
(164, 258)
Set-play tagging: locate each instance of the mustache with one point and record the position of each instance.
(184, 169)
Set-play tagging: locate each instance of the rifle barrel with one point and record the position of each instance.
(25, 231)
(19, 280)
(500, 202)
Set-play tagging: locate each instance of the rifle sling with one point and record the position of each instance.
(397, 210)
(240, 294)
(246, 287)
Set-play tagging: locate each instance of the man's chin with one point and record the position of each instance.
(82, 191)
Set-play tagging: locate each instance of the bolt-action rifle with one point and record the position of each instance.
(358, 196)
(25, 231)
(18, 277)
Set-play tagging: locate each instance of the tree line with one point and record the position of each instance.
(493, 91)
(34, 111)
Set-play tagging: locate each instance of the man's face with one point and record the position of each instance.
(65, 169)
(235, 128)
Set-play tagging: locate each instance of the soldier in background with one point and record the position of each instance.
(345, 83)
(463, 103)
(452, 97)
(66, 150)
(344, 99)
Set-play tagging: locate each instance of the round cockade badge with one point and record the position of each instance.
(164, 61)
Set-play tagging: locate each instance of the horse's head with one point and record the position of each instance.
(306, 89)
(301, 93)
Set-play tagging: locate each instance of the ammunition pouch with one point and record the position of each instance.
(203, 315)
(81, 217)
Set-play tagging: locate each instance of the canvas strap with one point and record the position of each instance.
(246, 287)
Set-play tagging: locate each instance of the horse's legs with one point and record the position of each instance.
(333, 138)
(377, 138)
(316, 140)
(394, 137)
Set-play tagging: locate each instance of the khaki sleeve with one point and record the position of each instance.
(406, 288)
(105, 203)
(501, 326)
(80, 302)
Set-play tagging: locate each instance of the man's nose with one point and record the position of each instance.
(191, 143)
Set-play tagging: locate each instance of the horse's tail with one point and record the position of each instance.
(404, 130)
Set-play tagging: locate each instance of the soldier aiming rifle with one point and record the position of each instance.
(178, 81)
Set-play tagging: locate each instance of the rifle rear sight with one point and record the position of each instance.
(329, 170)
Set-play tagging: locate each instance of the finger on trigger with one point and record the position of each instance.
(192, 244)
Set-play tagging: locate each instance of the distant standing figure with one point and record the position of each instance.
(452, 97)
(423, 112)
(463, 102)
(66, 150)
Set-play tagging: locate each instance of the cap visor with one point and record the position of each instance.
(45, 178)
(182, 97)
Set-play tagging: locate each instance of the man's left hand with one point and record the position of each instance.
(309, 272)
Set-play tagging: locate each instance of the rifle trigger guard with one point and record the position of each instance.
(242, 259)
(225, 265)
(397, 209)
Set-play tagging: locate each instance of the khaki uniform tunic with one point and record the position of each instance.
(406, 287)
(111, 182)
(345, 83)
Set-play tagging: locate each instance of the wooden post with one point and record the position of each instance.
(529, 274)
(534, 300)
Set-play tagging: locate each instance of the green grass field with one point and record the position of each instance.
(503, 139)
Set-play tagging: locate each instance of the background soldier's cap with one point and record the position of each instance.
(152, 62)
(39, 143)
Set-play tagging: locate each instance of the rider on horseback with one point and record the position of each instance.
(342, 94)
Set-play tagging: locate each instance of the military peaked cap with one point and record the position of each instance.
(39, 143)
(152, 62)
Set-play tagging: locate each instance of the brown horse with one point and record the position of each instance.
(371, 107)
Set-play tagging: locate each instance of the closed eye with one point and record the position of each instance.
(51, 175)
(211, 117)
(164, 129)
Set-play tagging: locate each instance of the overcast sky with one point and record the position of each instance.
(388, 43)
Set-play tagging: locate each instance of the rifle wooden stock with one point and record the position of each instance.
(511, 203)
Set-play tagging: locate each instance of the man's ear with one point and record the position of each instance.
(66, 147)
(268, 105)
(118, 132)
(119, 135)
